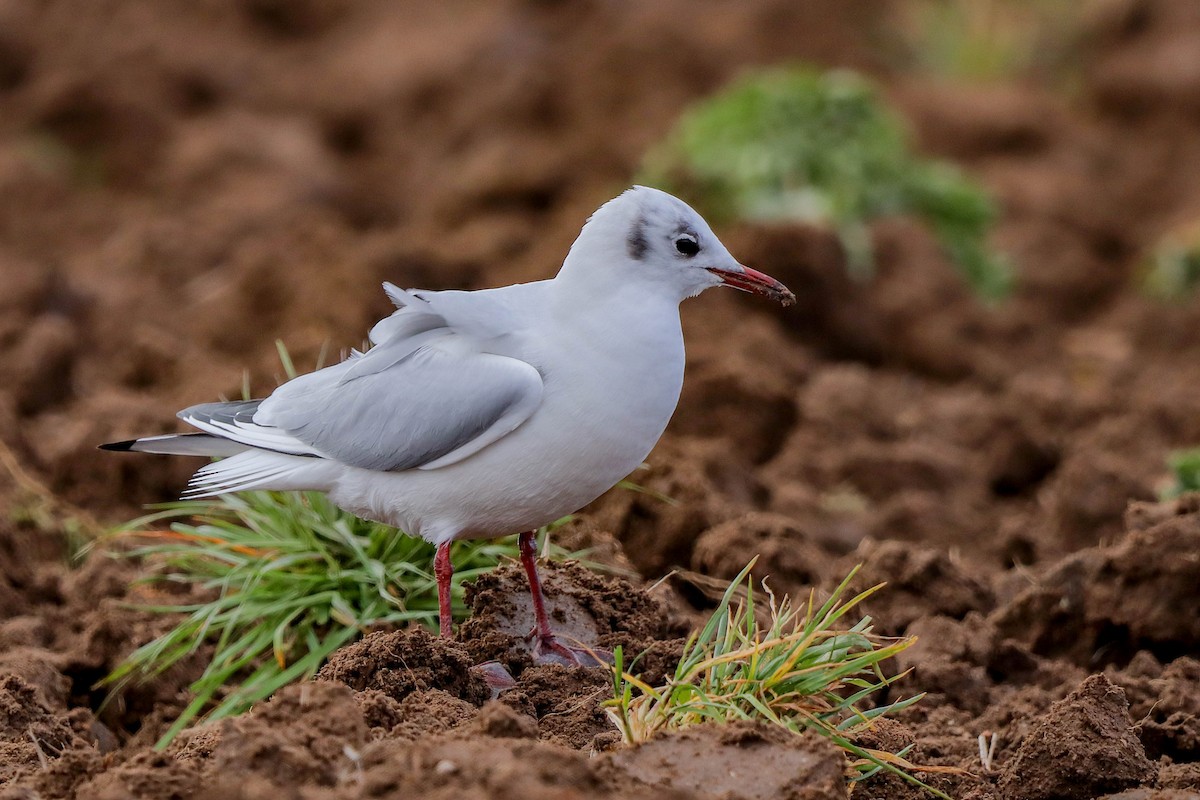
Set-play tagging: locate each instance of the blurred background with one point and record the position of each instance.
(994, 242)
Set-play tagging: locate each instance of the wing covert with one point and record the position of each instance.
(424, 401)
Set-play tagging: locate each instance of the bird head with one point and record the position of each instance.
(647, 237)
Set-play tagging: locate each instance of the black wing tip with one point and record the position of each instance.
(119, 447)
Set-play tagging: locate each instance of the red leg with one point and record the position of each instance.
(492, 672)
(527, 546)
(443, 570)
(547, 647)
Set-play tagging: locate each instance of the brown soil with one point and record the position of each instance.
(182, 183)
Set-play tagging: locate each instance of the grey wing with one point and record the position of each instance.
(415, 404)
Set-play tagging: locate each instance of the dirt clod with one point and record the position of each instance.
(502, 721)
(722, 761)
(31, 734)
(1084, 747)
(402, 662)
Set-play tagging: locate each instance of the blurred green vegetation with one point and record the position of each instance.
(801, 144)
(1171, 268)
(984, 41)
(1185, 470)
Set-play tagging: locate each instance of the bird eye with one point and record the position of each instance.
(687, 245)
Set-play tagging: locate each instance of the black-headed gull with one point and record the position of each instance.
(477, 414)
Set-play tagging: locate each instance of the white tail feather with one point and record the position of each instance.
(248, 470)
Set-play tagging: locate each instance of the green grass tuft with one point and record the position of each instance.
(804, 669)
(821, 147)
(288, 578)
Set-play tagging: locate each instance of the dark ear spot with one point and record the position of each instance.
(636, 241)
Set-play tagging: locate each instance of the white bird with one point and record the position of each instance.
(477, 414)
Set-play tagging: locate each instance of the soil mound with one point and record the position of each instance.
(1104, 604)
(596, 610)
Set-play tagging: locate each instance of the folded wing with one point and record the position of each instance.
(426, 396)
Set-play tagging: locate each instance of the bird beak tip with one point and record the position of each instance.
(755, 282)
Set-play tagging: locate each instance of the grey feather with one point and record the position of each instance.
(236, 421)
(635, 242)
(184, 444)
(229, 413)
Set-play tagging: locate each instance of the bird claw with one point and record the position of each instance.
(547, 649)
(495, 676)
